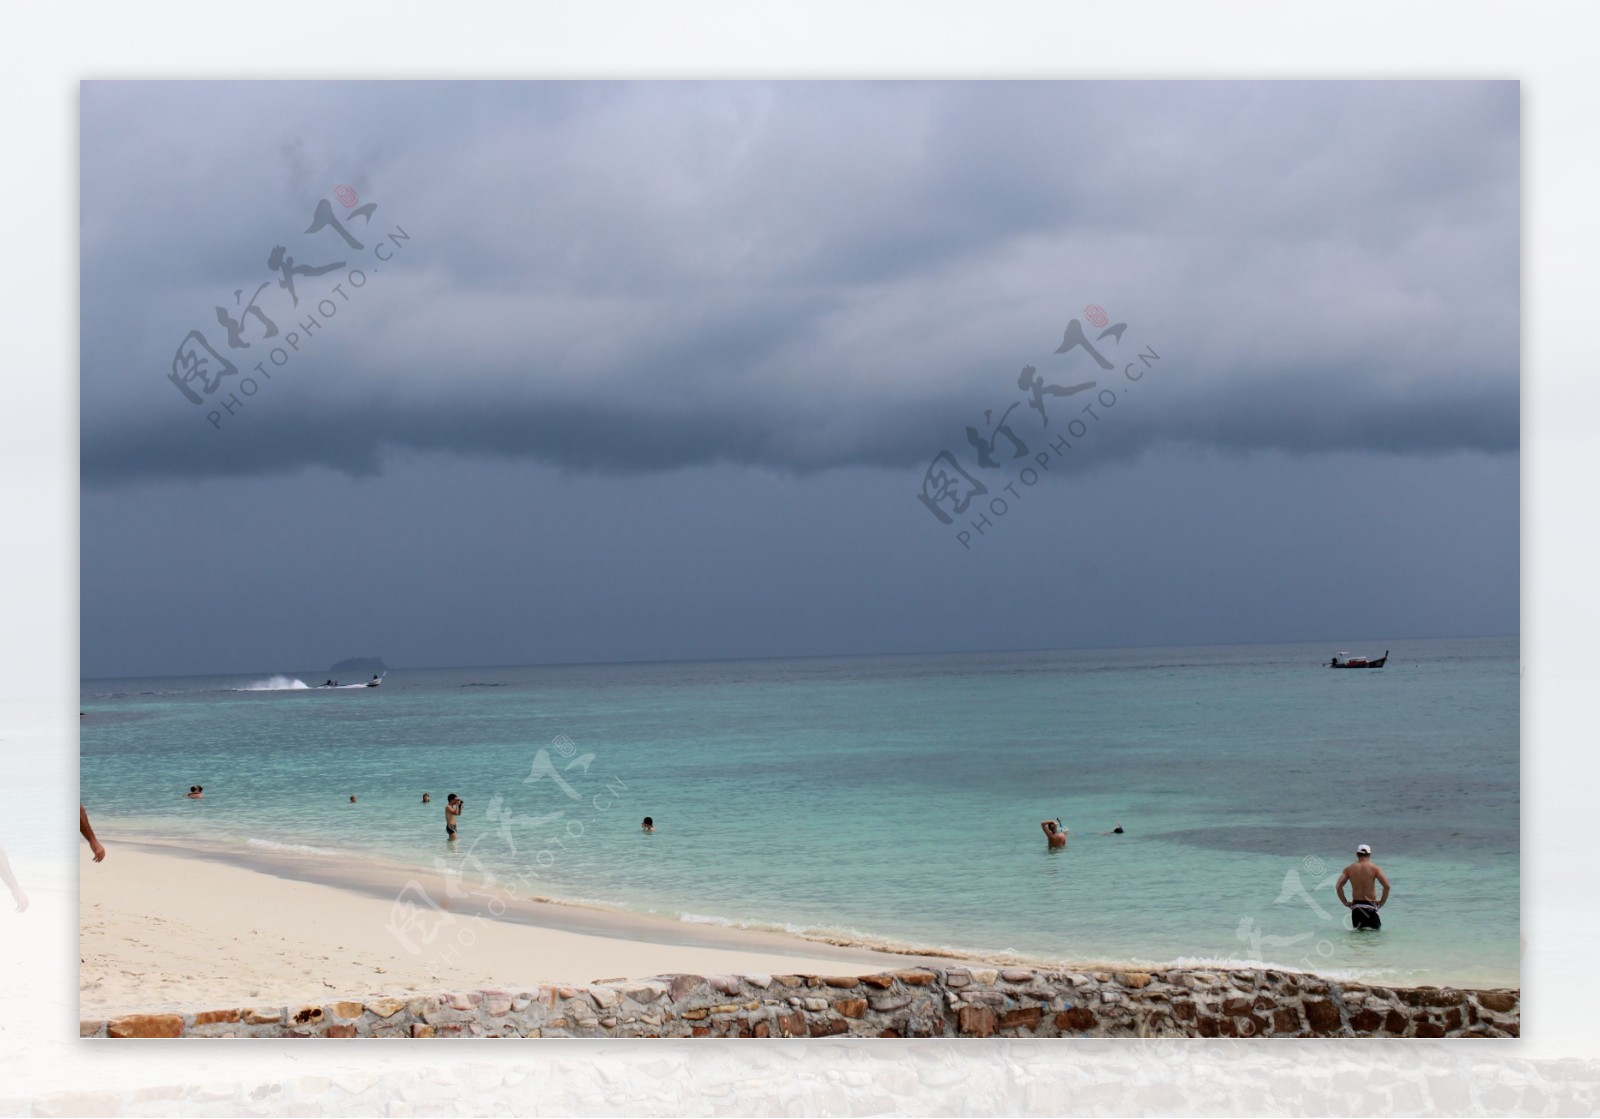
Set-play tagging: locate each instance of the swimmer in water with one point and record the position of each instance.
(1055, 835)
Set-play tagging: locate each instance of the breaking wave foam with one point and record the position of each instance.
(294, 848)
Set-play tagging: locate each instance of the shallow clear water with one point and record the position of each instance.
(897, 797)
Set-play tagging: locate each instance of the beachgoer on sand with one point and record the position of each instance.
(1361, 874)
(88, 833)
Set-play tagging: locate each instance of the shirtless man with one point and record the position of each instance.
(1054, 833)
(452, 815)
(1361, 874)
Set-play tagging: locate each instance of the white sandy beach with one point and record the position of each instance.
(164, 930)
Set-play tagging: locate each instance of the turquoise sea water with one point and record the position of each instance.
(894, 798)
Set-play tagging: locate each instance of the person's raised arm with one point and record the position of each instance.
(1384, 878)
(1344, 876)
(88, 833)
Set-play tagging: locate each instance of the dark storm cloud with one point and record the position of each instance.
(642, 277)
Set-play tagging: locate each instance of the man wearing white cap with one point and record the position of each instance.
(1361, 874)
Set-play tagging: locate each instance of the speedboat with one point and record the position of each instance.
(1345, 660)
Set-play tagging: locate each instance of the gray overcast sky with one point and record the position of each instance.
(655, 370)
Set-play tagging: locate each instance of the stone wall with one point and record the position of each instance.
(912, 1002)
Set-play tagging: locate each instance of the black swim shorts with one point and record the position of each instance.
(1364, 915)
(449, 829)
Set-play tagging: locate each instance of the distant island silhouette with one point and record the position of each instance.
(373, 665)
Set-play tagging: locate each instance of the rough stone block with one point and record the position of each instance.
(1499, 1001)
(682, 986)
(146, 1025)
(827, 1027)
(976, 1021)
(605, 997)
(1323, 1015)
(1077, 1019)
(1366, 1021)
(852, 1008)
(212, 1017)
(1023, 1018)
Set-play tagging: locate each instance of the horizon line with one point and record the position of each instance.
(813, 656)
